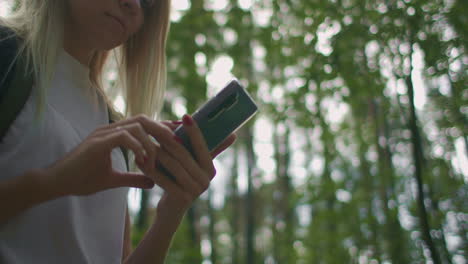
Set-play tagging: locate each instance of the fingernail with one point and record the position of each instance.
(177, 122)
(187, 120)
(178, 139)
(145, 159)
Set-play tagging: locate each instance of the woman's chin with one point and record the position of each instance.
(109, 45)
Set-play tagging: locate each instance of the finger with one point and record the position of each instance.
(224, 145)
(122, 138)
(186, 161)
(159, 131)
(137, 131)
(170, 186)
(134, 119)
(172, 124)
(182, 177)
(178, 151)
(134, 180)
(198, 144)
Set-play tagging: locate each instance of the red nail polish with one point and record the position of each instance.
(187, 120)
(178, 139)
(145, 159)
(177, 122)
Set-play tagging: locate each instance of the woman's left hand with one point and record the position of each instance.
(192, 174)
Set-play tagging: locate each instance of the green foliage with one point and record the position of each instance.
(183, 249)
(332, 80)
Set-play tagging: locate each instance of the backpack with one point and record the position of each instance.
(16, 82)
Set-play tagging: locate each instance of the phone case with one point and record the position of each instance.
(221, 115)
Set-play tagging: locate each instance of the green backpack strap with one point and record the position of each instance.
(15, 95)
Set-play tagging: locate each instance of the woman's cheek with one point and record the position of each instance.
(137, 26)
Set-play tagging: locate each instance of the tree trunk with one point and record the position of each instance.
(368, 182)
(234, 194)
(276, 196)
(194, 234)
(282, 211)
(393, 233)
(288, 208)
(250, 197)
(333, 250)
(142, 217)
(211, 229)
(418, 173)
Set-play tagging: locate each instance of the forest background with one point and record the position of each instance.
(359, 151)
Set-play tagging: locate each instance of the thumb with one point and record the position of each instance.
(135, 180)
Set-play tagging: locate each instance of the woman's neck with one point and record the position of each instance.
(77, 45)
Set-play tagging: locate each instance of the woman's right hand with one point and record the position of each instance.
(88, 168)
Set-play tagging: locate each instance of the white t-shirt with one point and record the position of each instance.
(72, 229)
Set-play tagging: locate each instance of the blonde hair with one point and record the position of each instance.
(141, 60)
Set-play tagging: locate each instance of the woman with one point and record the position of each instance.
(63, 184)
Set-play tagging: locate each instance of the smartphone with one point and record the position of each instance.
(221, 116)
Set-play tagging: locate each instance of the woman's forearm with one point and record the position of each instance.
(23, 192)
(157, 240)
